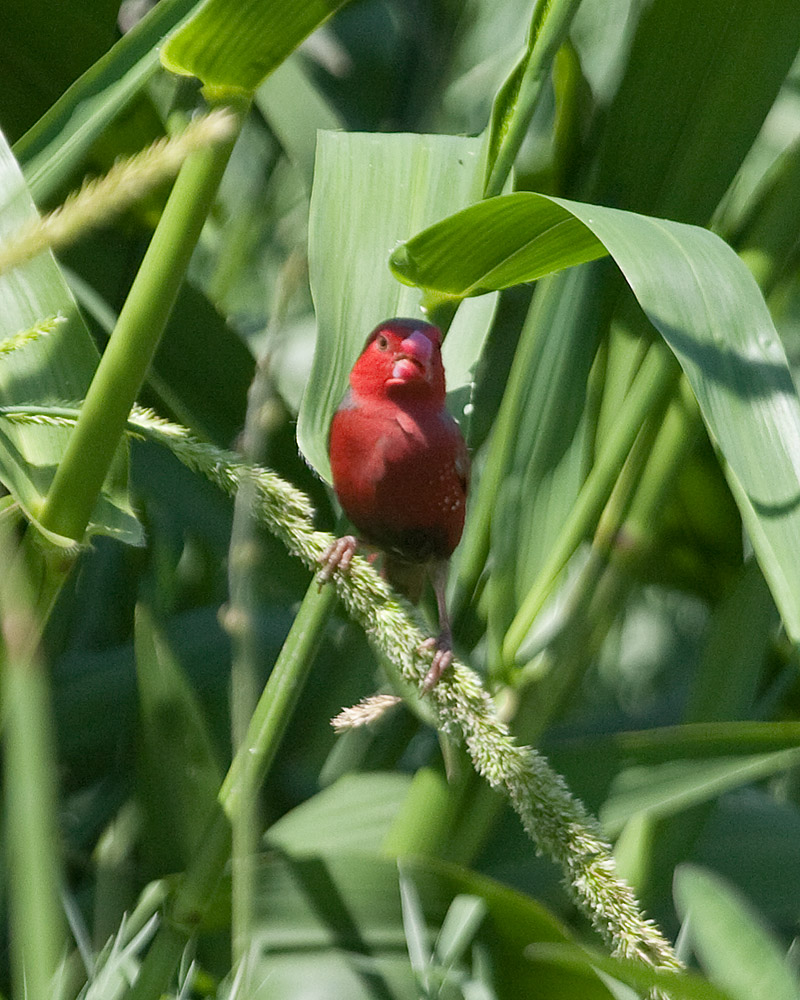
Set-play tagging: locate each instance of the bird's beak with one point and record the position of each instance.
(413, 359)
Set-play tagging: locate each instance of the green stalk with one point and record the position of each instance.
(124, 364)
(29, 766)
(246, 566)
(185, 909)
(674, 442)
(476, 541)
(467, 808)
(650, 387)
(517, 99)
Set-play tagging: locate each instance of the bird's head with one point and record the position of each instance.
(402, 357)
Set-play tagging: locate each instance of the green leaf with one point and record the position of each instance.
(325, 821)
(52, 369)
(44, 48)
(181, 776)
(234, 44)
(680, 124)
(370, 191)
(336, 918)
(665, 789)
(735, 949)
(523, 236)
(704, 302)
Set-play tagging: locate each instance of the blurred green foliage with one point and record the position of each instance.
(667, 694)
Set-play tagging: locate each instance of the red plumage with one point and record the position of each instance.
(399, 463)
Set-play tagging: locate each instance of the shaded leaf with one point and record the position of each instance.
(57, 144)
(665, 789)
(733, 946)
(677, 985)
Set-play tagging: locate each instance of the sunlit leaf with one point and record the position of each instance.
(234, 44)
(370, 191)
(704, 302)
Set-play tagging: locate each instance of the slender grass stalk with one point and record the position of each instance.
(653, 382)
(674, 443)
(557, 823)
(517, 99)
(124, 364)
(29, 767)
(191, 897)
(245, 567)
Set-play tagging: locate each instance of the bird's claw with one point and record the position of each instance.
(338, 556)
(442, 658)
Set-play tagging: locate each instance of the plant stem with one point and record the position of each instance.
(653, 382)
(549, 25)
(91, 448)
(29, 766)
(193, 893)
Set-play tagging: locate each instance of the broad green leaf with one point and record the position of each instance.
(523, 236)
(53, 369)
(55, 147)
(734, 948)
(325, 821)
(666, 789)
(234, 44)
(705, 303)
(370, 191)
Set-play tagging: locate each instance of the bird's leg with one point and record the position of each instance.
(443, 643)
(337, 556)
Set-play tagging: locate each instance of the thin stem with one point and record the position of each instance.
(552, 817)
(653, 382)
(192, 895)
(29, 768)
(92, 445)
(246, 567)
(549, 26)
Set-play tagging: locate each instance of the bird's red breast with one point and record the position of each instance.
(399, 462)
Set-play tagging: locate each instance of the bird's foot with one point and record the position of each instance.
(442, 658)
(338, 556)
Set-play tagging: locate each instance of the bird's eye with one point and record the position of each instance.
(382, 342)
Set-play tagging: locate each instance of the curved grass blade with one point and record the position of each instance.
(705, 303)
(735, 949)
(235, 44)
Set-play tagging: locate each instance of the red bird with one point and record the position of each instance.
(400, 466)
